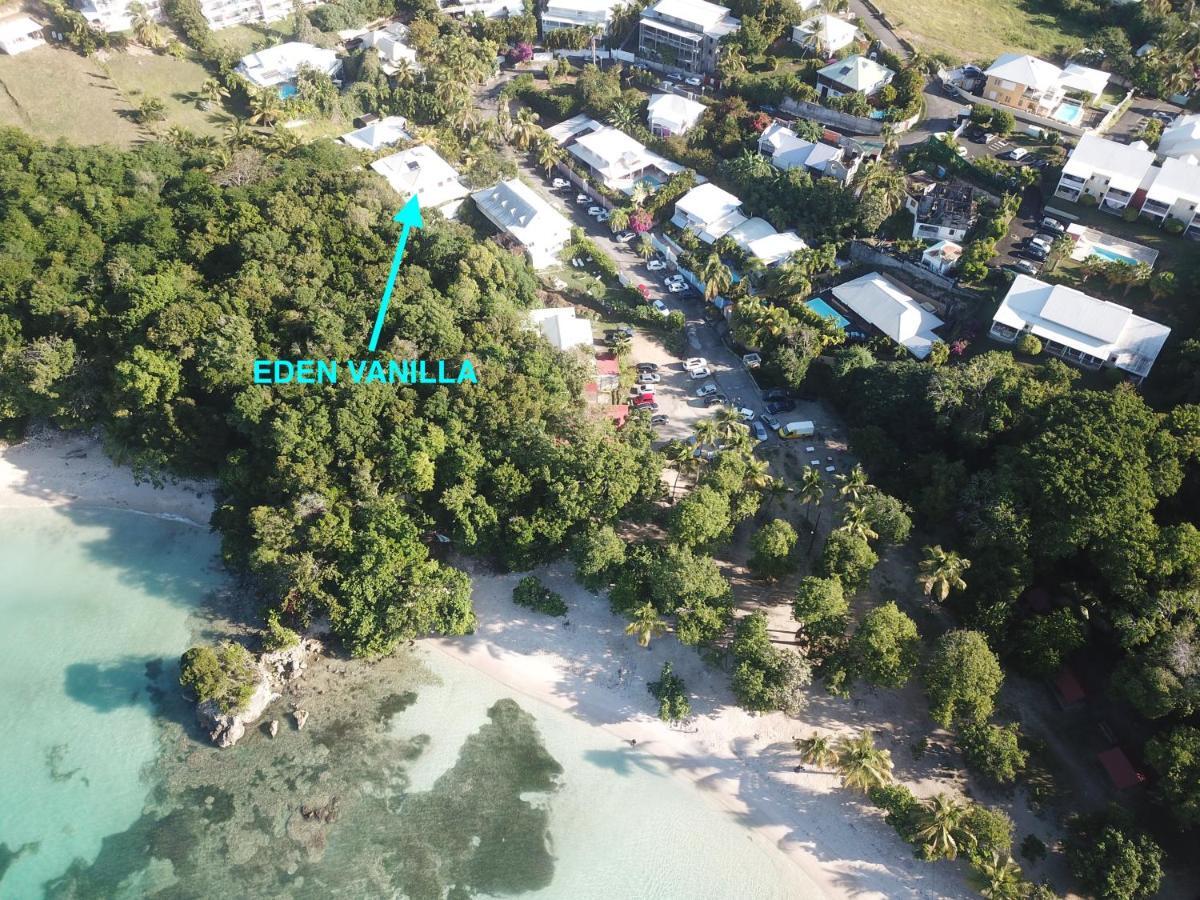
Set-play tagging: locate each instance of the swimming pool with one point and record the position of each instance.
(1069, 113)
(1113, 256)
(825, 311)
(650, 180)
(287, 91)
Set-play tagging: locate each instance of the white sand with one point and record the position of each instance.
(744, 763)
(54, 469)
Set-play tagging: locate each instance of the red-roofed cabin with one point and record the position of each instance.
(618, 412)
(608, 372)
(1068, 688)
(1120, 770)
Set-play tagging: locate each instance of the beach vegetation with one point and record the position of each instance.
(671, 694)
(532, 594)
(226, 674)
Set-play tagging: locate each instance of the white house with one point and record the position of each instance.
(383, 133)
(670, 114)
(708, 211)
(1034, 85)
(825, 35)
(854, 74)
(787, 151)
(942, 257)
(1077, 328)
(684, 34)
(114, 15)
(522, 214)
(559, 14)
(1181, 138)
(941, 210)
(561, 327)
(390, 44)
(618, 160)
(1175, 194)
(489, 9)
(885, 305)
(1107, 171)
(19, 34)
(280, 64)
(773, 248)
(419, 170)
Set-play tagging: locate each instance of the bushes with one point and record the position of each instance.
(1029, 345)
(532, 594)
(671, 695)
(994, 751)
(227, 675)
(848, 558)
(277, 636)
(772, 545)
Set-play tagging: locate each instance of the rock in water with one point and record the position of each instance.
(301, 717)
(227, 729)
(274, 727)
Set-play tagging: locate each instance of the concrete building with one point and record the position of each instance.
(885, 305)
(1077, 328)
(1175, 194)
(1181, 138)
(825, 35)
(712, 213)
(1036, 86)
(390, 44)
(942, 257)
(616, 160)
(19, 34)
(942, 210)
(559, 14)
(419, 170)
(670, 114)
(684, 34)
(114, 15)
(561, 328)
(1110, 172)
(786, 151)
(854, 74)
(384, 133)
(522, 214)
(279, 65)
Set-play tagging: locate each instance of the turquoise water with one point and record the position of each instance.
(1113, 256)
(287, 91)
(90, 633)
(415, 776)
(825, 311)
(1068, 113)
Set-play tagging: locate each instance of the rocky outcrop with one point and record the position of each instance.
(286, 666)
(226, 729)
(301, 717)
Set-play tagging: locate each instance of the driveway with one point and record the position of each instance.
(1135, 117)
(876, 26)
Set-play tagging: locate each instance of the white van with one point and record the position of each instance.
(793, 430)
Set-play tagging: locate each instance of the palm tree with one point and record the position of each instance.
(729, 421)
(707, 433)
(941, 831)
(646, 625)
(549, 154)
(212, 92)
(758, 471)
(623, 116)
(817, 750)
(645, 246)
(618, 219)
(639, 193)
(264, 107)
(681, 457)
(716, 276)
(863, 765)
(812, 488)
(886, 181)
(853, 484)
(776, 490)
(622, 346)
(238, 134)
(145, 29)
(856, 523)
(525, 130)
(999, 878)
(941, 572)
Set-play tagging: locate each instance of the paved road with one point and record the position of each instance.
(875, 25)
(1135, 117)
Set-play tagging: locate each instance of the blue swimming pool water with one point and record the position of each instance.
(651, 181)
(1070, 113)
(1113, 256)
(286, 91)
(825, 311)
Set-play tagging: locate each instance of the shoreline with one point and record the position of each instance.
(742, 763)
(56, 469)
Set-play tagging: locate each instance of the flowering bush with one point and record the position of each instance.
(641, 221)
(523, 52)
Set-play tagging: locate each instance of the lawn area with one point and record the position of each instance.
(173, 81)
(242, 38)
(55, 93)
(971, 30)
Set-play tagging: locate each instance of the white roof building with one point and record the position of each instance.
(885, 305)
(1106, 170)
(1175, 193)
(389, 44)
(775, 247)
(489, 9)
(383, 133)
(1181, 138)
(708, 211)
(280, 64)
(670, 114)
(520, 212)
(942, 257)
(1021, 68)
(1084, 80)
(684, 33)
(825, 34)
(1078, 328)
(19, 34)
(115, 15)
(577, 14)
(617, 159)
(561, 328)
(787, 151)
(419, 170)
(853, 74)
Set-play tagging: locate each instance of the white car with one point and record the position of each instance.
(1017, 154)
(560, 183)
(649, 377)
(595, 210)
(747, 414)
(706, 390)
(698, 374)
(582, 198)
(661, 308)
(676, 287)
(624, 237)
(695, 362)
(675, 277)
(694, 81)
(656, 265)
(604, 216)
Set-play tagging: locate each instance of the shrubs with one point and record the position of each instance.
(671, 695)
(226, 675)
(772, 545)
(1029, 345)
(277, 636)
(994, 751)
(532, 594)
(847, 557)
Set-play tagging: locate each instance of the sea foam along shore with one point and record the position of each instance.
(744, 763)
(52, 468)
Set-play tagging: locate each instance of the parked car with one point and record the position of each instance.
(582, 198)
(706, 390)
(1035, 252)
(624, 237)
(793, 430)
(747, 414)
(770, 421)
(759, 430)
(656, 265)
(1021, 267)
(694, 81)
(1042, 242)
(674, 279)
(977, 135)
(716, 400)
(677, 287)
(695, 362)
(624, 329)
(659, 420)
(650, 407)
(775, 394)
(648, 378)
(604, 217)
(595, 210)
(751, 360)
(1016, 154)
(647, 367)
(560, 183)
(1052, 225)
(781, 406)
(661, 308)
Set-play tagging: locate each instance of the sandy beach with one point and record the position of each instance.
(53, 468)
(744, 763)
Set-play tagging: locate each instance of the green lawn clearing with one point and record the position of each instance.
(176, 82)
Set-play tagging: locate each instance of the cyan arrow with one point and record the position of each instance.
(409, 217)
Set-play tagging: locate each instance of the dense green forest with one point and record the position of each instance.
(135, 291)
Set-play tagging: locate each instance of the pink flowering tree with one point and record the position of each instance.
(641, 221)
(521, 53)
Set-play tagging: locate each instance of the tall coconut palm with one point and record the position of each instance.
(886, 181)
(212, 92)
(854, 484)
(715, 275)
(145, 29)
(525, 130)
(729, 421)
(941, 572)
(645, 624)
(618, 219)
(264, 107)
(776, 490)
(812, 488)
(622, 346)
(681, 457)
(817, 750)
(639, 194)
(942, 831)
(863, 765)
(708, 433)
(758, 471)
(549, 154)
(238, 134)
(645, 246)
(856, 523)
(999, 878)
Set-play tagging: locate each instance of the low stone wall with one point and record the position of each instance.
(843, 121)
(944, 290)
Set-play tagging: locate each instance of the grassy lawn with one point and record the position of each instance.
(243, 38)
(979, 31)
(174, 81)
(54, 93)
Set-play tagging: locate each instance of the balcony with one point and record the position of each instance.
(1074, 180)
(1155, 209)
(1003, 332)
(1067, 192)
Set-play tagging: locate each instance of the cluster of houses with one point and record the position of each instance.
(117, 15)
